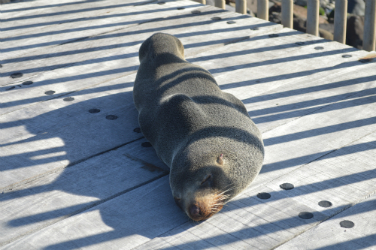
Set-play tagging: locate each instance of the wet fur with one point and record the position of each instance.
(204, 135)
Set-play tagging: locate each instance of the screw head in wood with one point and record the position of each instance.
(263, 196)
(27, 83)
(93, 111)
(347, 224)
(68, 99)
(50, 92)
(325, 204)
(286, 186)
(16, 75)
(306, 215)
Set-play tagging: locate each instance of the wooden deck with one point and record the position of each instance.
(76, 172)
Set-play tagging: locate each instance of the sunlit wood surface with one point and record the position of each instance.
(77, 173)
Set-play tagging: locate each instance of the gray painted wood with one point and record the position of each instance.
(58, 133)
(120, 58)
(61, 193)
(330, 234)
(80, 27)
(314, 107)
(125, 220)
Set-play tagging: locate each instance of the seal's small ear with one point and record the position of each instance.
(180, 47)
(220, 159)
(144, 49)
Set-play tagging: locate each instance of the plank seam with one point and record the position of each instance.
(334, 150)
(337, 212)
(36, 177)
(314, 111)
(94, 204)
(329, 217)
(70, 92)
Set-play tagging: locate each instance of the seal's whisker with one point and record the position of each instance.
(227, 190)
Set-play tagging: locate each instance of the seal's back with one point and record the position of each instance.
(191, 123)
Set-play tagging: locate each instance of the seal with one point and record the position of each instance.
(204, 135)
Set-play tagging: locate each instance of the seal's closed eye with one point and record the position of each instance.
(178, 202)
(207, 181)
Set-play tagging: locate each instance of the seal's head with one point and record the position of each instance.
(208, 173)
(161, 45)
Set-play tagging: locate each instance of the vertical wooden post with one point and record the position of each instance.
(241, 6)
(340, 21)
(313, 17)
(263, 9)
(287, 13)
(369, 35)
(200, 1)
(220, 4)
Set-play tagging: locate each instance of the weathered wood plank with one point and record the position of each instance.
(66, 191)
(21, 8)
(342, 177)
(331, 235)
(109, 47)
(31, 7)
(265, 63)
(124, 222)
(38, 16)
(317, 134)
(183, 27)
(62, 29)
(118, 60)
(58, 133)
(320, 137)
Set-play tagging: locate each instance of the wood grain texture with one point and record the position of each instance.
(74, 179)
(330, 234)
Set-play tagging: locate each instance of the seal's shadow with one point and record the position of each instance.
(82, 142)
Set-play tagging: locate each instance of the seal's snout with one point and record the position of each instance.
(194, 212)
(205, 206)
(199, 211)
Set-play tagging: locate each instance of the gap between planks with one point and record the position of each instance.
(84, 208)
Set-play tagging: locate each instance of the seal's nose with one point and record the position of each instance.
(194, 212)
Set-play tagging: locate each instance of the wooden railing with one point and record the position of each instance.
(340, 17)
